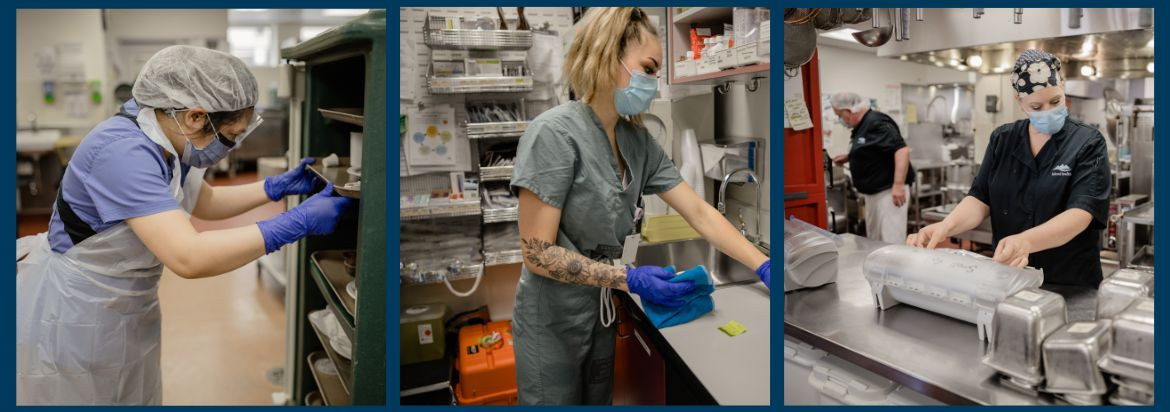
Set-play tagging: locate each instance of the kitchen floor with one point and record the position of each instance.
(220, 335)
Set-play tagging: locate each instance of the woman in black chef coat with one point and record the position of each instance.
(1044, 181)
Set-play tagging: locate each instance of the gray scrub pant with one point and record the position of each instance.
(564, 356)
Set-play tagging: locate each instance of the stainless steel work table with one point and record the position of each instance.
(735, 370)
(933, 354)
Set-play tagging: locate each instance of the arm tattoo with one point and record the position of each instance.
(567, 266)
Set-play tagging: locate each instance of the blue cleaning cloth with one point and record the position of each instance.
(697, 303)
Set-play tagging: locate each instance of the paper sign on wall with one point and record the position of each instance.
(430, 136)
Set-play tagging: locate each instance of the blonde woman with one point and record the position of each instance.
(580, 169)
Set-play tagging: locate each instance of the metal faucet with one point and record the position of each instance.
(722, 204)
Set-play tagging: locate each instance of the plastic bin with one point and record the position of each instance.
(421, 333)
(487, 370)
(799, 358)
(841, 382)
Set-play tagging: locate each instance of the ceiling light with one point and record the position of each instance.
(1088, 70)
(1150, 67)
(975, 61)
(845, 34)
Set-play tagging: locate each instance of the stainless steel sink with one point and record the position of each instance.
(690, 253)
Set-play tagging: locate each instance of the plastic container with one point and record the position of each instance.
(1131, 356)
(951, 282)
(799, 358)
(421, 333)
(487, 370)
(1070, 361)
(810, 257)
(843, 383)
(1121, 289)
(1021, 323)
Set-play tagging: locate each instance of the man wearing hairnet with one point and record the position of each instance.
(879, 162)
(87, 310)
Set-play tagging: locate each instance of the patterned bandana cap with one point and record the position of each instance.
(1035, 70)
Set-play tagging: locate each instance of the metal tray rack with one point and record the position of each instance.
(502, 258)
(461, 39)
(497, 129)
(467, 84)
(495, 173)
(508, 214)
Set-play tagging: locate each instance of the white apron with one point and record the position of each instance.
(88, 321)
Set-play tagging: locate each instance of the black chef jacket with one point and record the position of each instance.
(871, 153)
(1025, 191)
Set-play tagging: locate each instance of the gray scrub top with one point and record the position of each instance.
(565, 159)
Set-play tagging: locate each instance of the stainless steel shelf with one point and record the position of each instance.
(495, 173)
(467, 208)
(502, 258)
(458, 39)
(510, 214)
(429, 278)
(496, 130)
(501, 84)
(332, 391)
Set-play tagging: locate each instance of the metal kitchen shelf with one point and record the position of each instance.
(331, 277)
(433, 277)
(454, 209)
(498, 84)
(497, 129)
(344, 366)
(332, 391)
(495, 173)
(508, 214)
(741, 74)
(351, 115)
(502, 258)
(702, 15)
(339, 176)
(314, 399)
(459, 39)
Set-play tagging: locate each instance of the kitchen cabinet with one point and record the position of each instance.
(639, 367)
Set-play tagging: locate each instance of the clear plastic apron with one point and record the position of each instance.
(88, 321)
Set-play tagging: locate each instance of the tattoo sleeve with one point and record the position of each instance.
(567, 266)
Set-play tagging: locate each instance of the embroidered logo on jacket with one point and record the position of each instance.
(1062, 170)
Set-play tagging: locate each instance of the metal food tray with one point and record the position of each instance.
(331, 264)
(495, 173)
(351, 115)
(496, 129)
(502, 258)
(344, 366)
(460, 39)
(470, 208)
(508, 214)
(330, 386)
(338, 175)
(500, 84)
(314, 399)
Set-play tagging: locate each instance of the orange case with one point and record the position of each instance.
(487, 376)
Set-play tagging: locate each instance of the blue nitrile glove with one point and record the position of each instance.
(316, 216)
(765, 273)
(652, 283)
(298, 181)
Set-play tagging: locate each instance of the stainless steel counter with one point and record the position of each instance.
(933, 354)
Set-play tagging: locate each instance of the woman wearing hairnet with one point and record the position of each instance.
(1044, 181)
(581, 168)
(87, 311)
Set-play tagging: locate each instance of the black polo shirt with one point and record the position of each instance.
(871, 153)
(1025, 191)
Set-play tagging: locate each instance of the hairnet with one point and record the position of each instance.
(183, 77)
(1035, 70)
(847, 101)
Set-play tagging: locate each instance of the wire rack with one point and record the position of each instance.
(497, 129)
(500, 84)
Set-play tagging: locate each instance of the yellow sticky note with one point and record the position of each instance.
(733, 328)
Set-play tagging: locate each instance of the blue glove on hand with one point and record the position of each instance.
(653, 283)
(765, 273)
(299, 181)
(316, 216)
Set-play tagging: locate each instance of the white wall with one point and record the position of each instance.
(39, 29)
(152, 30)
(745, 114)
(862, 72)
(984, 122)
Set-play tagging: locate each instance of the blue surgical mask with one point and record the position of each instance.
(1049, 121)
(209, 155)
(636, 97)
